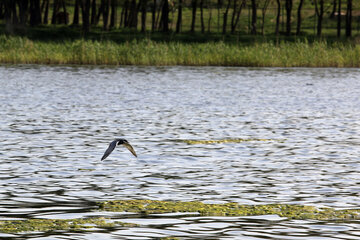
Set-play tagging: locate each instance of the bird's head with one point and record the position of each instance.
(121, 141)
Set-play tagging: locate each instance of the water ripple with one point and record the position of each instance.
(57, 121)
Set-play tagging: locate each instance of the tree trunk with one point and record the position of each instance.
(348, 18)
(124, 14)
(153, 17)
(133, 15)
(2, 10)
(254, 17)
(65, 12)
(113, 15)
(277, 26)
(179, 19)
(233, 16)
(106, 11)
(288, 7)
(55, 11)
(332, 14)
(14, 16)
(158, 14)
(202, 16)
(23, 11)
(225, 16)
(86, 16)
(210, 15)
(320, 14)
(339, 20)
(219, 6)
(101, 12)
(263, 13)
(76, 13)
(298, 26)
(143, 15)
(7, 15)
(35, 13)
(165, 17)
(46, 12)
(193, 19)
(93, 12)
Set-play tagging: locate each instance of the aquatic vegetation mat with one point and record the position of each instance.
(230, 140)
(147, 207)
(229, 209)
(45, 225)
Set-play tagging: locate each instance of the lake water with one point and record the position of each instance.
(56, 123)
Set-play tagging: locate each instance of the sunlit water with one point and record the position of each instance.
(56, 123)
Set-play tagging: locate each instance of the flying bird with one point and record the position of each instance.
(117, 142)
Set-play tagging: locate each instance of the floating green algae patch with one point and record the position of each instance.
(45, 225)
(231, 140)
(229, 209)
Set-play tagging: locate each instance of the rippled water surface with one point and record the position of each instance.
(56, 123)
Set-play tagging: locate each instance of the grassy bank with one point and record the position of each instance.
(21, 50)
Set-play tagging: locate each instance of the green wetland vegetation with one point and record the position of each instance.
(148, 207)
(20, 50)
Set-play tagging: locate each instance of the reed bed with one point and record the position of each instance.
(21, 50)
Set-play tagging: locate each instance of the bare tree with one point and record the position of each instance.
(236, 14)
(106, 11)
(113, 16)
(66, 18)
(193, 19)
(339, 20)
(8, 10)
(254, 16)
(225, 16)
(133, 15)
(165, 16)
(35, 12)
(23, 11)
(55, 11)
(288, 8)
(348, 18)
(299, 20)
(264, 8)
(179, 19)
(202, 16)
(319, 9)
(143, 15)
(76, 12)
(153, 16)
(333, 12)
(86, 15)
(93, 12)
(210, 14)
(46, 4)
(277, 26)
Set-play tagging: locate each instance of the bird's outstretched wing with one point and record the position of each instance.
(130, 148)
(109, 150)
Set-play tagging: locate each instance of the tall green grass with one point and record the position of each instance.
(21, 50)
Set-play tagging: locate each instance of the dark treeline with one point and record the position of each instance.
(167, 15)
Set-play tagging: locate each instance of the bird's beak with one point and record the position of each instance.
(130, 148)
